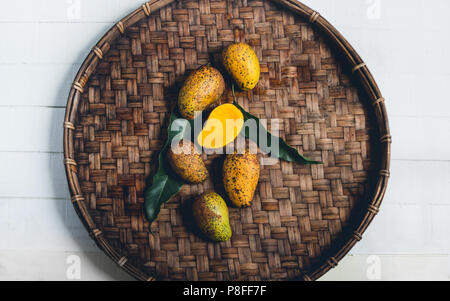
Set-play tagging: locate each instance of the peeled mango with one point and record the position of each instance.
(187, 162)
(211, 215)
(202, 88)
(240, 177)
(222, 127)
(242, 64)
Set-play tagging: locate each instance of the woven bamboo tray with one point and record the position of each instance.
(304, 219)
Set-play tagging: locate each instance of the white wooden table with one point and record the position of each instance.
(405, 44)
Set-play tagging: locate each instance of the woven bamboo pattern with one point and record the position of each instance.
(304, 219)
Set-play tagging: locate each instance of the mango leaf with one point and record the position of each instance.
(165, 182)
(283, 152)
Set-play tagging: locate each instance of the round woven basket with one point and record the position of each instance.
(304, 219)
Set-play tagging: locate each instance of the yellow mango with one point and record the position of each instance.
(222, 127)
(202, 88)
(240, 177)
(187, 162)
(242, 64)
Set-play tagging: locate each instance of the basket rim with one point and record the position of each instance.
(359, 69)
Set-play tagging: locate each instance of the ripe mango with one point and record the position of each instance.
(211, 215)
(202, 88)
(223, 126)
(242, 64)
(187, 162)
(240, 177)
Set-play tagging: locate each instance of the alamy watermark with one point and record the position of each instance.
(73, 271)
(214, 131)
(374, 9)
(73, 11)
(373, 271)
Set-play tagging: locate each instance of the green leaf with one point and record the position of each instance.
(284, 152)
(165, 183)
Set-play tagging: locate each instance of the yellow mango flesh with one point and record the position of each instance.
(222, 127)
(242, 64)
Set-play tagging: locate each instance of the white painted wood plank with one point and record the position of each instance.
(69, 11)
(67, 43)
(425, 138)
(15, 50)
(407, 229)
(419, 182)
(412, 95)
(18, 11)
(39, 84)
(411, 86)
(78, 11)
(58, 11)
(391, 268)
(40, 265)
(49, 43)
(398, 229)
(440, 227)
(33, 175)
(383, 14)
(42, 224)
(50, 265)
(32, 129)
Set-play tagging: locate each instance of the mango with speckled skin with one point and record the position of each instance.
(202, 88)
(211, 215)
(240, 177)
(242, 64)
(187, 162)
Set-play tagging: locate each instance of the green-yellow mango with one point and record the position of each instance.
(187, 162)
(240, 177)
(242, 64)
(211, 215)
(202, 88)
